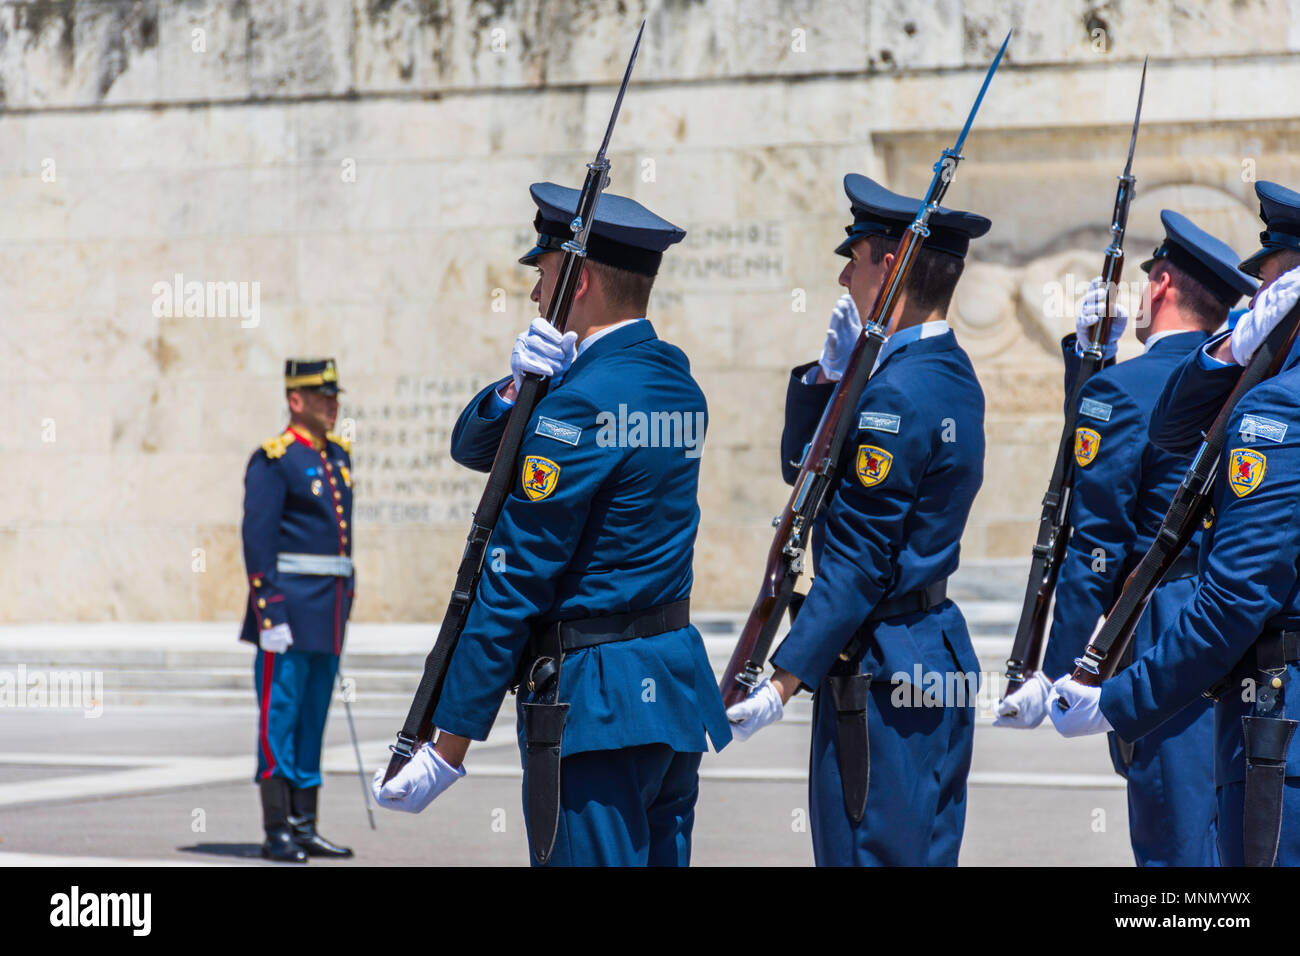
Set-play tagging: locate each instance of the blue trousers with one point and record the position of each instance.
(293, 701)
(916, 798)
(1172, 806)
(1231, 807)
(629, 807)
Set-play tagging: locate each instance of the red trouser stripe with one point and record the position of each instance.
(268, 667)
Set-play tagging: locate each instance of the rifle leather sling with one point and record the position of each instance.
(1267, 737)
(545, 716)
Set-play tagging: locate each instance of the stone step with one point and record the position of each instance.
(188, 665)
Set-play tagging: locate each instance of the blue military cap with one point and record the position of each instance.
(879, 212)
(1279, 207)
(319, 374)
(1208, 260)
(625, 235)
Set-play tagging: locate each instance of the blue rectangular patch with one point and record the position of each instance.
(1253, 427)
(1095, 409)
(560, 431)
(880, 422)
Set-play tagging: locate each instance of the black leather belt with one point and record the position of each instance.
(910, 603)
(1275, 649)
(922, 600)
(610, 628)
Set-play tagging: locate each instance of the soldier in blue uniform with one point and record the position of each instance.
(1122, 489)
(877, 630)
(297, 533)
(1236, 637)
(593, 571)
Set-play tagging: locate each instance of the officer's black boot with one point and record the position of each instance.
(303, 821)
(279, 845)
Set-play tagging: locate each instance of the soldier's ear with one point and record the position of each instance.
(584, 282)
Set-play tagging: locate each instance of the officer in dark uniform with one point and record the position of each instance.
(877, 624)
(594, 573)
(297, 533)
(1236, 636)
(1122, 489)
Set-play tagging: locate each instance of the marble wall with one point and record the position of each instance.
(349, 177)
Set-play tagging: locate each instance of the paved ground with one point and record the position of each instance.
(158, 784)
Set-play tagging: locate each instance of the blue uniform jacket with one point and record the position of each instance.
(1250, 556)
(1122, 489)
(602, 520)
(893, 524)
(298, 499)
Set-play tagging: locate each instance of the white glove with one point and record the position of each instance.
(275, 640)
(1091, 311)
(418, 784)
(1026, 708)
(1084, 715)
(542, 350)
(1271, 306)
(760, 708)
(841, 335)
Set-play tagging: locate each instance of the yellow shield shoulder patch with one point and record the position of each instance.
(873, 465)
(1245, 471)
(1086, 445)
(540, 476)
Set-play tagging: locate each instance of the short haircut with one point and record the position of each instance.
(933, 278)
(1289, 259)
(623, 289)
(1202, 305)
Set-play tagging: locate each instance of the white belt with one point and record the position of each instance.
(338, 565)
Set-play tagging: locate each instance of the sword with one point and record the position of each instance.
(356, 748)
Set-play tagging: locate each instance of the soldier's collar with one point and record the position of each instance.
(619, 337)
(312, 443)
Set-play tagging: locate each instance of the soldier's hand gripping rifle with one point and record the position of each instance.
(1054, 522)
(785, 560)
(1101, 658)
(419, 720)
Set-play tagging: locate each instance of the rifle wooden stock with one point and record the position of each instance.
(1101, 658)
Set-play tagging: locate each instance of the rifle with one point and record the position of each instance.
(419, 720)
(1054, 522)
(817, 471)
(1101, 658)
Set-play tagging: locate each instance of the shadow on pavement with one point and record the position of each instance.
(242, 850)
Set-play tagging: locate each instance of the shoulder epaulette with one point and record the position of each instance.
(275, 447)
(344, 443)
